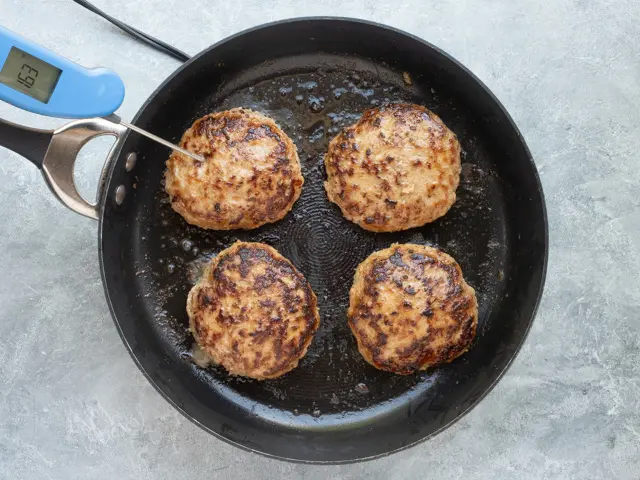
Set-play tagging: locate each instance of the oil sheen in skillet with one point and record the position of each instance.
(312, 107)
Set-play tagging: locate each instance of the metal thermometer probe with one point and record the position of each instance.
(38, 80)
(116, 119)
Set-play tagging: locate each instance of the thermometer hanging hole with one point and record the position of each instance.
(132, 158)
(121, 192)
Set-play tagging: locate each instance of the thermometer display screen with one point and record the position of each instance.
(29, 75)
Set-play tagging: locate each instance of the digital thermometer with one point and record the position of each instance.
(36, 79)
(40, 81)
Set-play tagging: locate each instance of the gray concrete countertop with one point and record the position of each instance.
(74, 406)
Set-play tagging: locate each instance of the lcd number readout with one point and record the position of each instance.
(29, 75)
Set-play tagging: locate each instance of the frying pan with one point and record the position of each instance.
(313, 76)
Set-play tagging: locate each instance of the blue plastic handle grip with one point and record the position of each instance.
(79, 93)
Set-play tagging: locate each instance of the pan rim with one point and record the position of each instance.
(346, 20)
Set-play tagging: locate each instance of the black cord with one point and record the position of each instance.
(134, 32)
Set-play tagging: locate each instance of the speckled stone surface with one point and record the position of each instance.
(74, 406)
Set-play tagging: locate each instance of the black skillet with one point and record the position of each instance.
(314, 76)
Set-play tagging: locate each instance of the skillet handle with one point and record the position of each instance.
(56, 159)
(31, 143)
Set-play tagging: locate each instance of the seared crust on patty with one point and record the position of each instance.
(253, 312)
(410, 309)
(251, 173)
(397, 168)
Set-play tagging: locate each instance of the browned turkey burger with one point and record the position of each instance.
(411, 309)
(398, 167)
(250, 176)
(253, 312)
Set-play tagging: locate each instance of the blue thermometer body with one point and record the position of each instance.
(35, 79)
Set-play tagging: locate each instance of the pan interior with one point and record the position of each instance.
(152, 257)
(312, 107)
